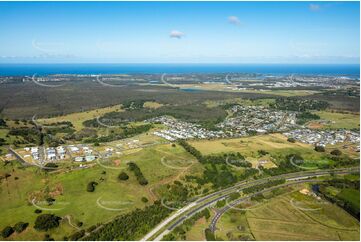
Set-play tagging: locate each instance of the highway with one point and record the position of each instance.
(236, 202)
(188, 211)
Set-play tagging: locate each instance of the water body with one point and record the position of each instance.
(351, 70)
(191, 90)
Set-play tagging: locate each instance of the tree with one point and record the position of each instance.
(77, 235)
(234, 196)
(319, 148)
(262, 152)
(50, 200)
(2, 123)
(48, 238)
(138, 173)
(20, 227)
(7, 231)
(209, 235)
(144, 199)
(291, 140)
(38, 211)
(123, 176)
(46, 221)
(336, 152)
(91, 186)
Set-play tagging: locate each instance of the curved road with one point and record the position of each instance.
(236, 202)
(188, 211)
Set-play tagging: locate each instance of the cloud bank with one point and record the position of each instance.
(176, 34)
(234, 20)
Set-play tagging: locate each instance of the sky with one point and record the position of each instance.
(179, 32)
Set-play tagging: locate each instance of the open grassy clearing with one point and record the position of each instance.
(231, 88)
(284, 93)
(351, 195)
(340, 120)
(246, 102)
(77, 119)
(248, 146)
(197, 231)
(110, 198)
(279, 219)
(275, 144)
(153, 105)
(347, 148)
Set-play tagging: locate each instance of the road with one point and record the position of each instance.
(19, 157)
(188, 211)
(236, 202)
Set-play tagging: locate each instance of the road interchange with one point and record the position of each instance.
(198, 205)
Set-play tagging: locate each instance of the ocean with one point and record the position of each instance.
(350, 70)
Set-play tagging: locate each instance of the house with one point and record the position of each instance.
(78, 159)
(90, 158)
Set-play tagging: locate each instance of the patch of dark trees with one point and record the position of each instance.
(347, 205)
(126, 132)
(138, 173)
(300, 105)
(131, 226)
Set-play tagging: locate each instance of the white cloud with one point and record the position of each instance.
(314, 7)
(176, 34)
(47, 47)
(234, 20)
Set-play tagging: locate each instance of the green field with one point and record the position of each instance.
(72, 199)
(351, 195)
(279, 219)
(276, 144)
(77, 119)
(340, 120)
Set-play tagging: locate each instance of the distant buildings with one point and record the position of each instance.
(245, 120)
(323, 137)
(257, 119)
(183, 130)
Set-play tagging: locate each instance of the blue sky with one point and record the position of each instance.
(179, 32)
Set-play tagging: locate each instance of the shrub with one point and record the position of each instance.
(123, 176)
(50, 200)
(319, 148)
(91, 186)
(262, 152)
(234, 196)
(77, 235)
(336, 152)
(7, 231)
(291, 140)
(91, 228)
(144, 199)
(38, 211)
(209, 235)
(46, 222)
(48, 238)
(20, 227)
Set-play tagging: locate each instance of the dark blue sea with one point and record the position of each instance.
(351, 70)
